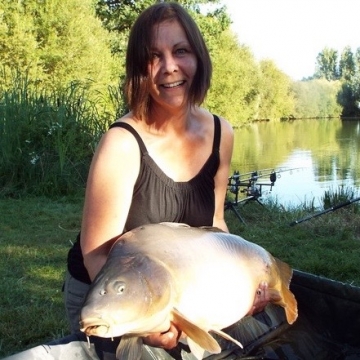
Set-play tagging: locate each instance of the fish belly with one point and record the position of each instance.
(217, 294)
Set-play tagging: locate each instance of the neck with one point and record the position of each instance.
(165, 120)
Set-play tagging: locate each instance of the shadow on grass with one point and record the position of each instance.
(32, 308)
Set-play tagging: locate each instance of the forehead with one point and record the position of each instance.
(169, 32)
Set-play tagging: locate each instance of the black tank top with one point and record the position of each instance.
(157, 198)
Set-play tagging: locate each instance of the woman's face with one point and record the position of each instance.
(172, 67)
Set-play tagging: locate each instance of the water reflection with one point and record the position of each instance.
(323, 155)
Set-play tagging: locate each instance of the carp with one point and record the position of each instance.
(201, 279)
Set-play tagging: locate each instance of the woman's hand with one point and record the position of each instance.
(262, 298)
(166, 340)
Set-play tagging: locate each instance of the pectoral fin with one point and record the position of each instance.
(227, 337)
(195, 334)
(130, 348)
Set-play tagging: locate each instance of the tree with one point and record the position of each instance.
(357, 60)
(235, 83)
(326, 64)
(55, 43)
(118, 16)
(347, 64)
(18, 43)
(316, 98)
(276, 100)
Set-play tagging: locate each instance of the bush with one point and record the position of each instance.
(47, 140)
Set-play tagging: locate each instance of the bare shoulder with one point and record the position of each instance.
(207, 116)
(116, 161)
(226, 128)
(119, 139)
(227, 140)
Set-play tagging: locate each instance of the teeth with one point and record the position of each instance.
(173, 84)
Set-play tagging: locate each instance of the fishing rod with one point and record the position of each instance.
(235, 182)
(250, 187)
(257, 174)
(252, 190)
(333, 208)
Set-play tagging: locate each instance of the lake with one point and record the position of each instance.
(309, 157)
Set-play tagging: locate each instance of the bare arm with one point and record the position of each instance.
(112, 176)
(222, 175)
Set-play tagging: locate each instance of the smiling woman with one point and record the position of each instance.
(142, 50)
(166, 160)
(169, 158)
(173, 66)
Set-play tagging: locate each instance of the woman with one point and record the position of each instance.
(167, 159)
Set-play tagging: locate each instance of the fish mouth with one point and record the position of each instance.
(95, 326)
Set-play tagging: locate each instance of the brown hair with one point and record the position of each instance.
(138, 56)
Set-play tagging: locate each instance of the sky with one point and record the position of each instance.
(293, 32)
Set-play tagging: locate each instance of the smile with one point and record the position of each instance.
(172, 85)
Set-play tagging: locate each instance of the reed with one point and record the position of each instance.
(342, 194)
(47, 140)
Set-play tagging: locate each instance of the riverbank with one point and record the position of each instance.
(36, 234)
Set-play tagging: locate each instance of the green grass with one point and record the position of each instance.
(328, 245)
(35, 235)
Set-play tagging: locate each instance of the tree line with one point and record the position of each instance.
(61, 75)
(53, 44)
(344, 69)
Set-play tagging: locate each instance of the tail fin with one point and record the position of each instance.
(288, 301)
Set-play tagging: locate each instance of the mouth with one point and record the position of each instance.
(95, 326)
(173, 85)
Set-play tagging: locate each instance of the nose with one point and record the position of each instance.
(169, 63)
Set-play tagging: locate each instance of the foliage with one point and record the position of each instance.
(349, 97)
(347, 70)
(47, 140)
(276, 100)
(54, 43)
(234, 91)
(341, 195)
(347, 67)
(326, 64)
(117, 17)
(316, 99)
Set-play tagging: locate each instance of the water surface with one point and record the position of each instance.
(309, 156)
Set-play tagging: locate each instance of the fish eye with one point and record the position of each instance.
(119, 287)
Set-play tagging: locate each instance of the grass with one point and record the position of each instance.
(328, 245)
(35, 235)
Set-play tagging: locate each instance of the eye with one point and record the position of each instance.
(155, 56)
(181, 51)
(102, 292)
(119, 287)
